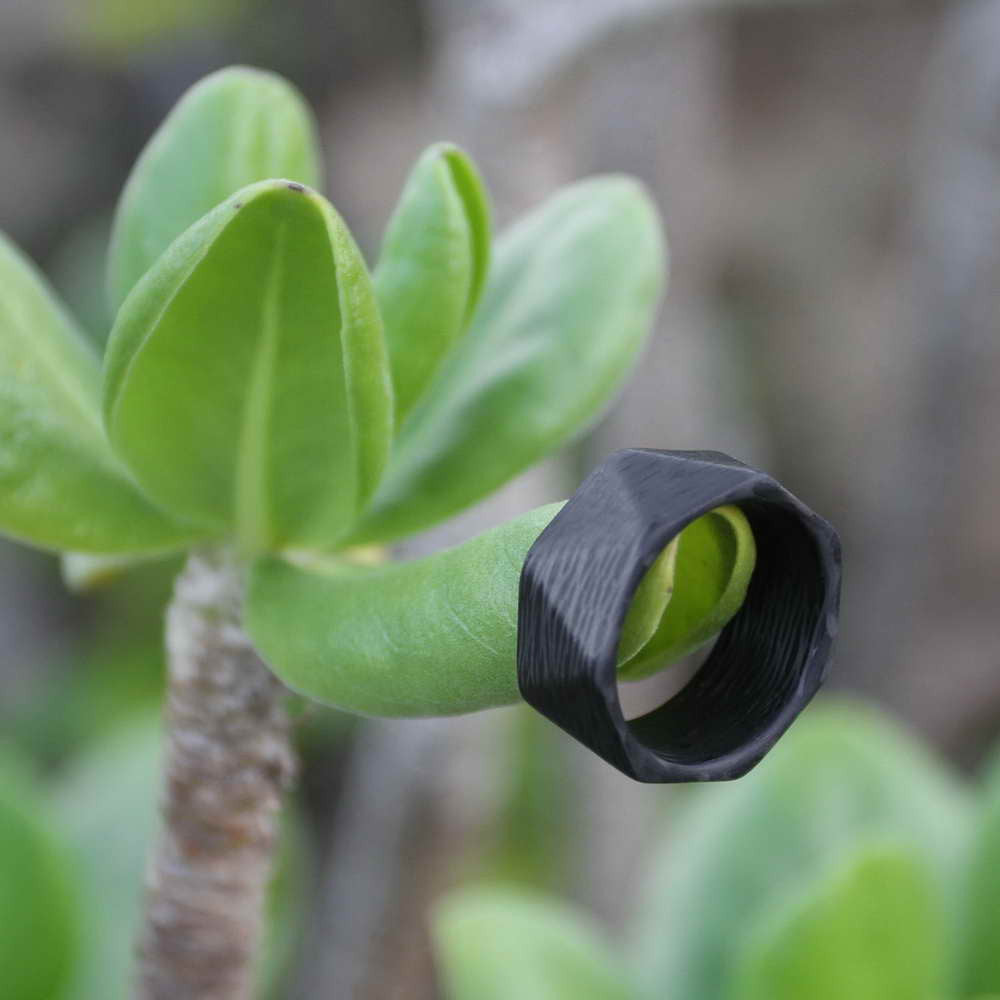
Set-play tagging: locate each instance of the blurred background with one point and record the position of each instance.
(829, 176)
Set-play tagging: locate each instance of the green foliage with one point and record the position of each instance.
(39, 912)
(838, 777)
(431, 270)
(261, 390)
(496, 944)
(981, 923)
(275, 427)
(871, 931)
(839, 868)
(235, 127)
(60, 485)
(568, 304)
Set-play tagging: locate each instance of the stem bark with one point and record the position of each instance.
(228, 763)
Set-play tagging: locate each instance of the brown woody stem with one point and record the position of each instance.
(228, 762)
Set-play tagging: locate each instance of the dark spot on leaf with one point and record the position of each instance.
(237, 205)
(296, 187)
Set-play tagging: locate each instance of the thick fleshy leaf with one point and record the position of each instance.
(434, 636)
(870, 931)
(431, 270)
(568, 304)
(60, 485)
(502, 944)
(981, 926)
(246, 382)
(231, 129)
(39, 908)
(713, 565)
(839, 776)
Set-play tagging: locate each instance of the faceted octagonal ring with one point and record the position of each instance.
(580, 576)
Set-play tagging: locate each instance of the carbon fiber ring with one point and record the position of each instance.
(580, 576)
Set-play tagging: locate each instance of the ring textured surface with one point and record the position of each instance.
(580, 576)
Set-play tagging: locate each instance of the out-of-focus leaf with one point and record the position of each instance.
(538, 810)
(233, 128)
(870, 931)
(246, 379)
(110, 844)
(981, 924)
(566, 308)
(60, 485)
(431, 270)
(711, 573)
(121, 27)
(839, 775)
(39, 908)
(500, 944)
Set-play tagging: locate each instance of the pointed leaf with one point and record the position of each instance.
(871, 931)
(60, 485)
(838, 776)
(39, 908)
(567, 306)
(246, 379)
(502, 944)
(233, 128)
(435, 636)
(432, 267)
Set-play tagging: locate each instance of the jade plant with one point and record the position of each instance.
(282, 414)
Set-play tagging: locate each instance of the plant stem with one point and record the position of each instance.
(229, 761)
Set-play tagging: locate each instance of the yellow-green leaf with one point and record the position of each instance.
(233, 128)
(39, 902)
(871, 930)
(61, 487)
(246, 381)
(567, 306)
(505, 944)
(432, 267)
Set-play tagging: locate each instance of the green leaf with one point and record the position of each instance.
(39, 908)
(840, 776)
(60, 485)
(981, 925)
(233, 128)
(710, 575)
(567, 306)
(870, 931)
(431, 270)
(434, 636)
(501, 944)
(246, 383)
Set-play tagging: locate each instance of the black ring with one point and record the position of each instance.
(579, 578)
